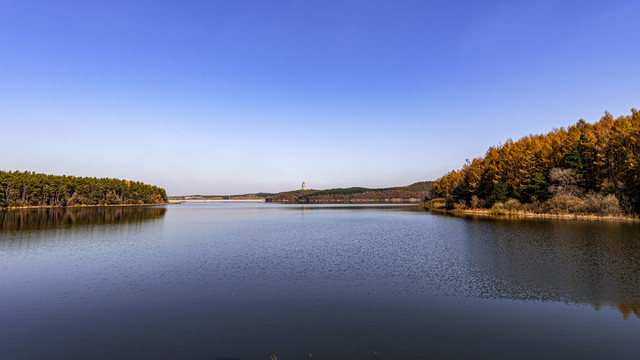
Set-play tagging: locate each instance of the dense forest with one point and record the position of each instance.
(18, 189)
(411, 193)
(586, 168)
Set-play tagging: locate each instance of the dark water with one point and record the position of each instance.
(263, 281)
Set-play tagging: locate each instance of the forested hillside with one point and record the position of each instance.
(410, 193)
(587, 168)
(30, 189)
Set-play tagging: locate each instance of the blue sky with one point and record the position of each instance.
(232, 97)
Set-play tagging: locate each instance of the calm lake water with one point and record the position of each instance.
(267, 281)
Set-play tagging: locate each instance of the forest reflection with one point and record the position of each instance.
(58, 217)
(569, 261)
(573, 262)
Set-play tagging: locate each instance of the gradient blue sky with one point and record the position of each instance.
(241, 96)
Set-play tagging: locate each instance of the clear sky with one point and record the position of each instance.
(225, 97)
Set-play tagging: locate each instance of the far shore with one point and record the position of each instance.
(353, 201)
(529, 215)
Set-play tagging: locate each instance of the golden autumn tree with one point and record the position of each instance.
(603, 157)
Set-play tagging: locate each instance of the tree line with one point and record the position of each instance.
(585, 168)
(27, 188)
(342, 197)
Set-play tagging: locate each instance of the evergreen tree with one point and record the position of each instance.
(538, 188)
(31, 189)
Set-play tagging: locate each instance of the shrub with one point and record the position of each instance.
(565, 204)
(512, 205)
(602, 205)
(533, 207)
(564, 182)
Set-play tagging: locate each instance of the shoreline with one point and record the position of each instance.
(530, 215)
(391, 201)
(81, 206)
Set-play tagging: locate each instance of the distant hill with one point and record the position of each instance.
(419, 186)
(410, 193)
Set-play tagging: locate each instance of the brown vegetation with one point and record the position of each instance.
(587, 169)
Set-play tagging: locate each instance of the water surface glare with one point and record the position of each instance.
(248, 281)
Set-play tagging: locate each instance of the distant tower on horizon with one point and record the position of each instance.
(304, 186)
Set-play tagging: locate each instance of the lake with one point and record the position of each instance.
(272, 281)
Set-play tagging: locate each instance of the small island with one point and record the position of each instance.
(584, 171)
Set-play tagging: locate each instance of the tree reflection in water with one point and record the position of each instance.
(569, 261)
(574, 262)
(626, 310)
(59, 217)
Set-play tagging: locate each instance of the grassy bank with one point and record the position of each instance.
(440, 206)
